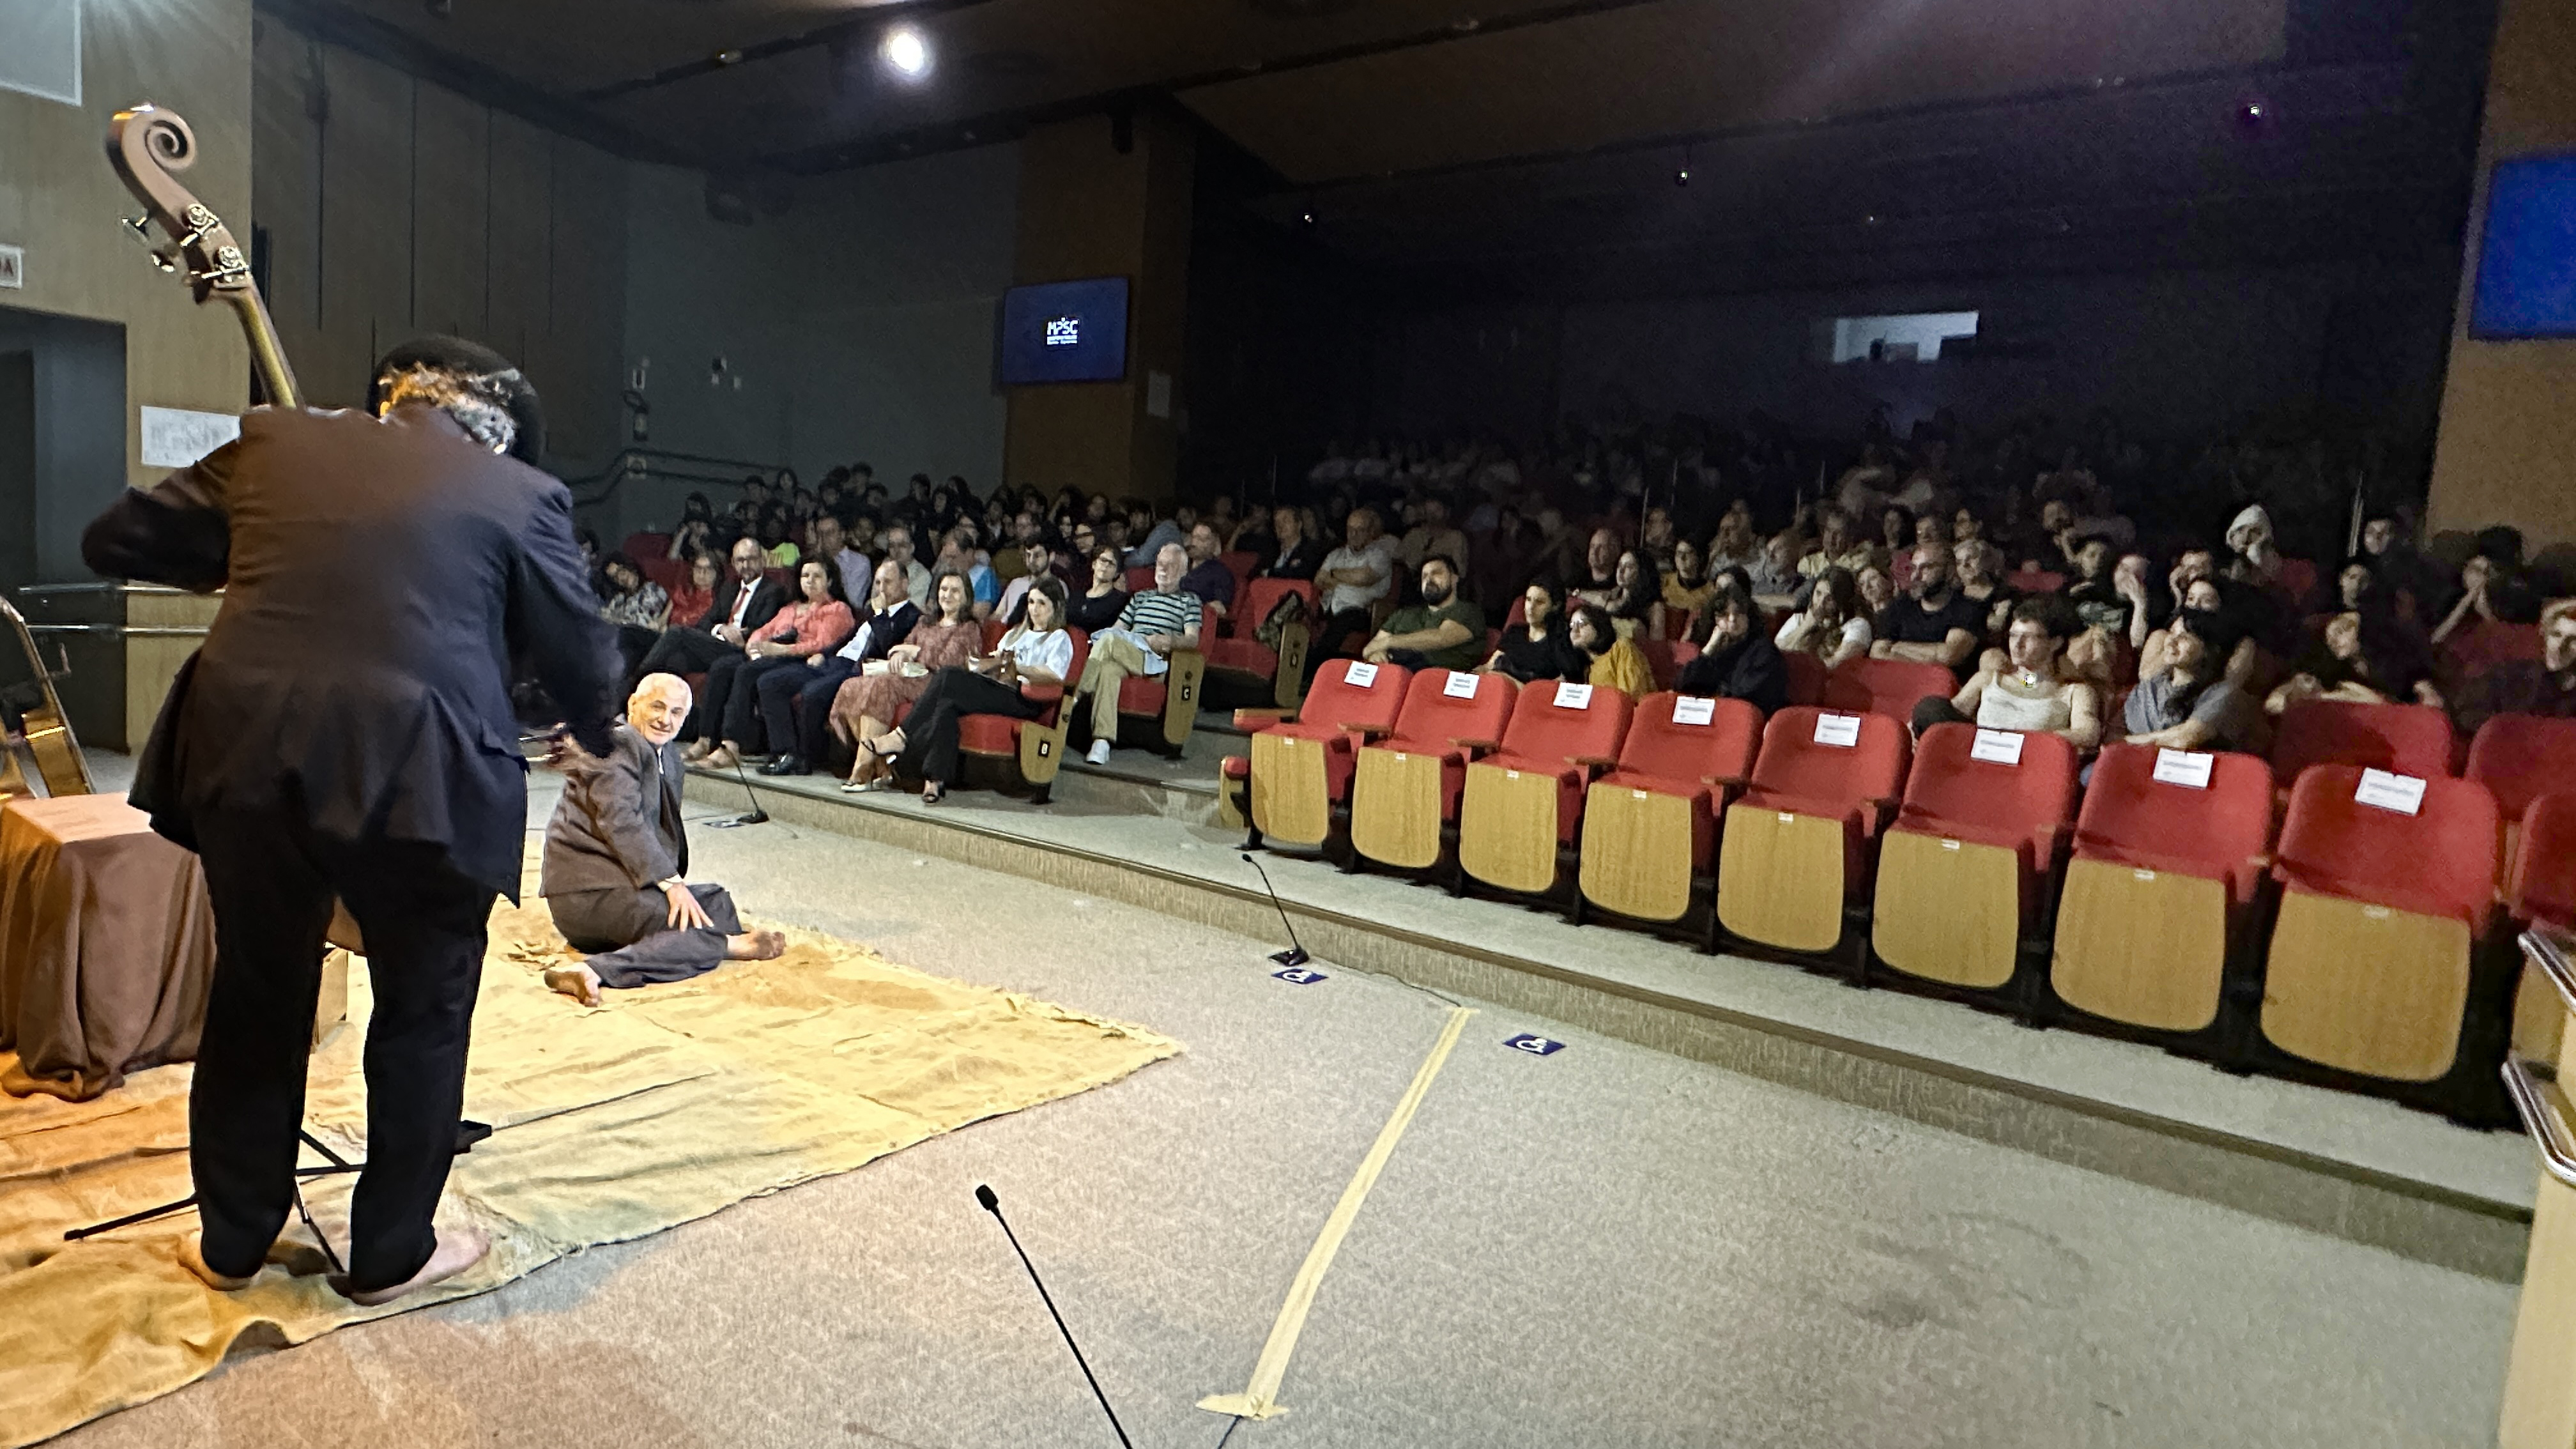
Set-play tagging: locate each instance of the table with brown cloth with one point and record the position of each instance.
(107, 945)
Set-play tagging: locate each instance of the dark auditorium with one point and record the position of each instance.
(1390, 724)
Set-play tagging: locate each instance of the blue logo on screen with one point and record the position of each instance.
(1064, 332)
(1537, 1046)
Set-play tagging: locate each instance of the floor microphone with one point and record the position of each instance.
(992, 1204)
(1295, 955)
(757, 816)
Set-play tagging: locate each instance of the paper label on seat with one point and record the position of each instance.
(1692, 710)
(1839, 730)
(2187, 768)
(2401, 793)
(1360, 676)
(1459, 686)
(1570, 695)
(1997, 747)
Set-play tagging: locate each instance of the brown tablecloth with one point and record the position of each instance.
(107, 945)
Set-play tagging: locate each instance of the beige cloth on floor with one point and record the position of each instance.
(611, 1123)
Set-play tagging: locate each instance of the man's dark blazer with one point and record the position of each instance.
(379, 577)
(618, 824)
(767, 598)
(1303, 560)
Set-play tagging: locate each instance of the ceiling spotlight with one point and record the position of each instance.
(905, 52)
(1682, 177)
(728, 57)
(1306, 217)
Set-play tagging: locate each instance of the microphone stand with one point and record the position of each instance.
(757, 816)
(993, 1204)
(1295, 955)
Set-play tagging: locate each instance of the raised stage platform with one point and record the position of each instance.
(1144, 830)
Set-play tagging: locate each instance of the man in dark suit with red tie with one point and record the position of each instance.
(742, 604)
(346, 733)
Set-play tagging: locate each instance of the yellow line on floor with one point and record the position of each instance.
(1260, 1399)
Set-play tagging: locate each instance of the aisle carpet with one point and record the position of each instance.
(661, 1106)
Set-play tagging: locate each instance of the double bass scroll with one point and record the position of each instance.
(149, 146)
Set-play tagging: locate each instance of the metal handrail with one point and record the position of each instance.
(96, 586)
(125, 631)
(2526, 1085)
(2543, 949)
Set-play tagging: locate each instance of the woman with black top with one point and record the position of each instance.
(1637, 596)
(1537, 648)
(2365, 657)
(1099, 607)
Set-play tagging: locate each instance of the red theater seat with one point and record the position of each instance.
(1300, 769)
(1406, 787)
(1523, 802)
(1031, 749)
(1241, 666)
(2371, 954)
(1891, 687)
(1798, 846)
(2161, 889)
(1649, 826)
(2410, 739)
(1962, 871)
(2542, 887)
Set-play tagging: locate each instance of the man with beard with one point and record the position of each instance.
(1444, 631)
(749, 600)
(1934, 623)
(346, 733)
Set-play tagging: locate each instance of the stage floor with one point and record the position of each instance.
(1609, 1245)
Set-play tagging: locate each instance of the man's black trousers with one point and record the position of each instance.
(272, 885)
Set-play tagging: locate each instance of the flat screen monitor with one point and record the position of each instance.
(1065, 332)
(2527, 258)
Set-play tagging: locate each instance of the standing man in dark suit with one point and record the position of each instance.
(346, 732)
(617, 857)
(742, 606)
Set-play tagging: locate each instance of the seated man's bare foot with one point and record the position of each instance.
(578, 982)
(756, 946)
(458, 1249)
(192, 1257)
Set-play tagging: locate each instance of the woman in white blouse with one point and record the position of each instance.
(1833, 627)
(1039, 652)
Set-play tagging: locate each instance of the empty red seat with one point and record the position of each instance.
(2381, 908)
(1961, 871)
(1649, 826)
(2409, 739)
(1524, 802)
(1891, 687)
(1798, 846)
(1806, 677)
(645, 544)
(1300, 768)
(1236, 657)
(1406, 786)
(2542, 886)
(2162, 884)
(1665, 657)
(2520, 757)
(1033, 747)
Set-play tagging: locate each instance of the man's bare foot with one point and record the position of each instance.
(193, 1258)
(756, 946)
(578, 982)
(458, 1249)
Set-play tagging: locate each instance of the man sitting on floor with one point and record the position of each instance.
(615, 856)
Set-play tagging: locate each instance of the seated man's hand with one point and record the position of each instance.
(685, 911)
(1375, 650)
(1159, 643)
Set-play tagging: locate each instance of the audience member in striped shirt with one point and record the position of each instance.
(1154, 623)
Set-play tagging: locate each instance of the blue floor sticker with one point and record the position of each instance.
(1537, 1046)
(1298, 976)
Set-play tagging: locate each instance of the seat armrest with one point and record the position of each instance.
(1253, 719)
(1368, 731)
(1594, 762)
(1042, 693)
(1474, 747)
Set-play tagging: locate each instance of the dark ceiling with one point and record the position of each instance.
(1523, 144)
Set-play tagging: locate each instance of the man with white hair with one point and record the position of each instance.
(1154, 623)
(617, 856)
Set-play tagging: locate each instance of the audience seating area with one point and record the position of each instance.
(2355, 931)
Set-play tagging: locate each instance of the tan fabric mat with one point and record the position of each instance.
(661, 1106)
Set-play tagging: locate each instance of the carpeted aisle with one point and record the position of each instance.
(612, 1123)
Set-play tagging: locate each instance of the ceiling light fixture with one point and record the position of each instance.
(905, 52)
(1682, 177)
